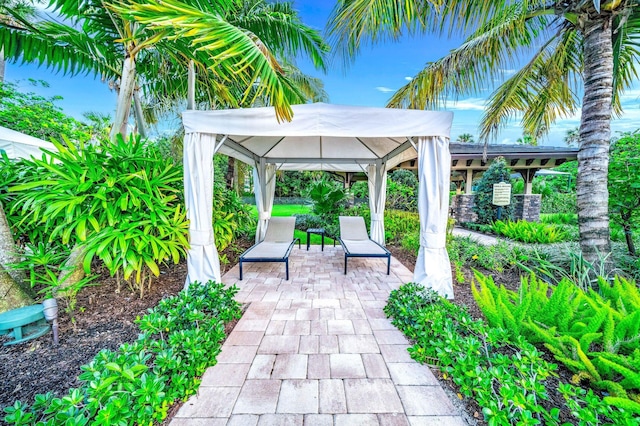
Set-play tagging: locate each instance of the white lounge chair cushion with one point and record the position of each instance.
(363, 247)
(352, 228)
(267, 250)
(280, 230)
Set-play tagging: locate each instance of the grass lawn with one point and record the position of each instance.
(290, 210)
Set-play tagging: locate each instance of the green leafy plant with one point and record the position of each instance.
(508, 378)
(559, 202)
(498, 257)
(557, 265)
(624, 185)
(398, 224)
(529, 232)
(594, 334)
(559, 218)
(138, 383)
(328, 197)
(38, 116)
(120, 200)
(402, 188)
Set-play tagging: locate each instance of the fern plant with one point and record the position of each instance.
(595, 334)
(529, 232)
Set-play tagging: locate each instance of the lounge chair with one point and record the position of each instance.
(356, 242)
(276, 246)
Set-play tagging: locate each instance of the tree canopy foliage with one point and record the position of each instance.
(38, 116)
(624, 185)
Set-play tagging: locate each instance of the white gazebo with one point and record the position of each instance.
(321, 137)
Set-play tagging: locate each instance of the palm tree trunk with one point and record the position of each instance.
(125, 95)
(12, 295)
(231, 167)
(595, 135)
(139, 114)
(3, 64)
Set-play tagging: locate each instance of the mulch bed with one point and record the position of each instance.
(105, 319)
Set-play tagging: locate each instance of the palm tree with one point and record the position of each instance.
(465, 138)
(573, 46)
(136, 44)
(527, 139)
(572, 137)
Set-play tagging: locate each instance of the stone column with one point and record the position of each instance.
(527, 207)
(462, 208)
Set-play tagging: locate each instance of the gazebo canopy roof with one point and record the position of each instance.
(320, 136)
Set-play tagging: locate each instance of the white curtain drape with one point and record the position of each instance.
(377, 174)
(433, 269)
(264, 184)
(203, 263)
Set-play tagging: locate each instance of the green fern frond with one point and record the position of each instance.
(623, 403)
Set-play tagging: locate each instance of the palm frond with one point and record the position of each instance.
(493, 47)
(234, 54)
(542, 91)
(279, 26)
(65, 49)
(626, 53)
(353, 24)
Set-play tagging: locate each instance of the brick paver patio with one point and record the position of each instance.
(317, 350)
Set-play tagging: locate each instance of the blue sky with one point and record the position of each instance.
(369, 81)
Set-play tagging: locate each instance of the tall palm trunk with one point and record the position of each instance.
(595, 135)
(125, 95)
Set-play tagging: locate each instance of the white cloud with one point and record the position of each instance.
(506, 141)
(476, 104)
(408, 78)
(508, 71)
(384, 89)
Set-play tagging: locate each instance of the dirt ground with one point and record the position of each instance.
(105, 320)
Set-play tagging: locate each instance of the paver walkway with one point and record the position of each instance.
(317, 350)
(484, 239)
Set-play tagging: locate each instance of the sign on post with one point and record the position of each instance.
(501, 194)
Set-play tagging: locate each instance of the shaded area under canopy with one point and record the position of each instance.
(323, 137)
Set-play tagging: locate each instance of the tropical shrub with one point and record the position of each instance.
(38, 116)
(138, 383)
(483, 206)
(294, 184)
(559, 218)
(594, 334)
(232, 218)
(624, 185)
(529, 232)
(328, 197)
(330, 224)
(498, 257)
(398, 224)
(402, 191)
(12, 173)
(559, 202)
(555, 264)
(120, 200)
(509, 379)
(360, 190)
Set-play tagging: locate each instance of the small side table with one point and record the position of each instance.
(318, 231)
(23, 324)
